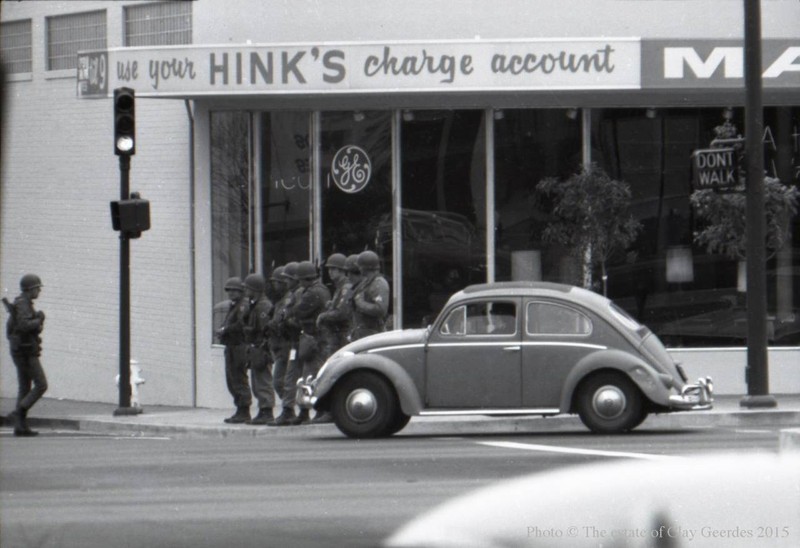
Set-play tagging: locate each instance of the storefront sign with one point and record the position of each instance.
(716, 169)
(548, 64)
(351, 169)
(716, 63)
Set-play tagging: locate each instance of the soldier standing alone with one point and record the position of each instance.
(23, 330)
(370, 298)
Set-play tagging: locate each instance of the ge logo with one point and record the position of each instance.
(351, 169)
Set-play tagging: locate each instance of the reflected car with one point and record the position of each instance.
(508, 348)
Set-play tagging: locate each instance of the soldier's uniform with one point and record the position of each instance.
(287, 333)
(279, 343)
(231, 334)
(258, 357)
(23, 330)
(312, 302)
(370, 299)
(335, 322)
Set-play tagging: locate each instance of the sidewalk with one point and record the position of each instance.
(159, 420)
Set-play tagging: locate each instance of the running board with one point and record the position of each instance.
(444, 412)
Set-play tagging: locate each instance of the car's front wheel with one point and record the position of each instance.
(609, 402)
(365, 405)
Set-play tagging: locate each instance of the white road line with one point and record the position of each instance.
(575, 451)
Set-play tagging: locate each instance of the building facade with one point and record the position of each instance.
(291, 130)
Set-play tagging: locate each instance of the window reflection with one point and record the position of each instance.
(444, 203)
(531, 145)
(230, 200)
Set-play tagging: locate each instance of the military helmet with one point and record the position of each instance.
(290, 271)
(306, 271)
(255, 282)
(351, 264)
(30, 281)
(368, 260)
(337, 260)
(277, 274)
(234, 284)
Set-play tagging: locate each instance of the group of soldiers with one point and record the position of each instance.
(284, 329)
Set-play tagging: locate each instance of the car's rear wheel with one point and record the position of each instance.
(400, 421)
(365, 405)
(609, 402)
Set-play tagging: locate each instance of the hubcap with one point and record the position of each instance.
(609, 402)
(361, 405)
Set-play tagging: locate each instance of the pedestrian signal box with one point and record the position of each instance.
(131, 217)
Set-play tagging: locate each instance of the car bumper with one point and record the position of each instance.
(305, 393)
(694, 397)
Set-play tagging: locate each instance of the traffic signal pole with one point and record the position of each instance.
(124, 147)
(756, 373)
(125, 301)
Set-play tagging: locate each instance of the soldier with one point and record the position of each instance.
(23, 330)
(305, 311)
(231, 334)
(287, 333)
(334, 323)
(258, 357)
(279, 346)
(370, 298)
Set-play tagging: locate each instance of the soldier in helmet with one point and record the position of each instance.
(279, 345)
(231, 334)
(287, 332)
(370, 298)
(305, 311)
(334, 322)
(23, 330)
(256, 318)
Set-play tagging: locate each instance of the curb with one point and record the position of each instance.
(154, 425)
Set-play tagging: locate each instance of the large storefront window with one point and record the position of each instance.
(285, 183)
(230, 201)
(688, 296)
(356, 179)
(531, 145)
(443, 208)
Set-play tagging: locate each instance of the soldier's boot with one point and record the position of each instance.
(20, 418)
(264, 417)
(242, 415)
(286, 418)
(301, 418)
(322, 418)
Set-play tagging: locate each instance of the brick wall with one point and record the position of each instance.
(59, 174)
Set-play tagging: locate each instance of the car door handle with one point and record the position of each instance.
(511, 349)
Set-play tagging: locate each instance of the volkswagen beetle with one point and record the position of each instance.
(509, 348)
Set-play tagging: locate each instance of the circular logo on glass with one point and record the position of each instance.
(351, 169)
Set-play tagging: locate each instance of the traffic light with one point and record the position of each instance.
(132, 216)
(124, 122)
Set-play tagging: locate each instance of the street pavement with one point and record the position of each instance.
(203, 422)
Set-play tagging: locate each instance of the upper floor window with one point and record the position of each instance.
(15, 46)
(158, 24)
(69, 34)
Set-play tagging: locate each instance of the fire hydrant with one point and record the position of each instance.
(136, 379)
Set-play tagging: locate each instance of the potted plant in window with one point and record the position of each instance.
(724, 220)
(590, 216)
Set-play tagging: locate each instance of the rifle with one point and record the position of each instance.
(12, 324)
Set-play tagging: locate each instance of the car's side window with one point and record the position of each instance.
(553, 319)
(455, 322)
(491, 318)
